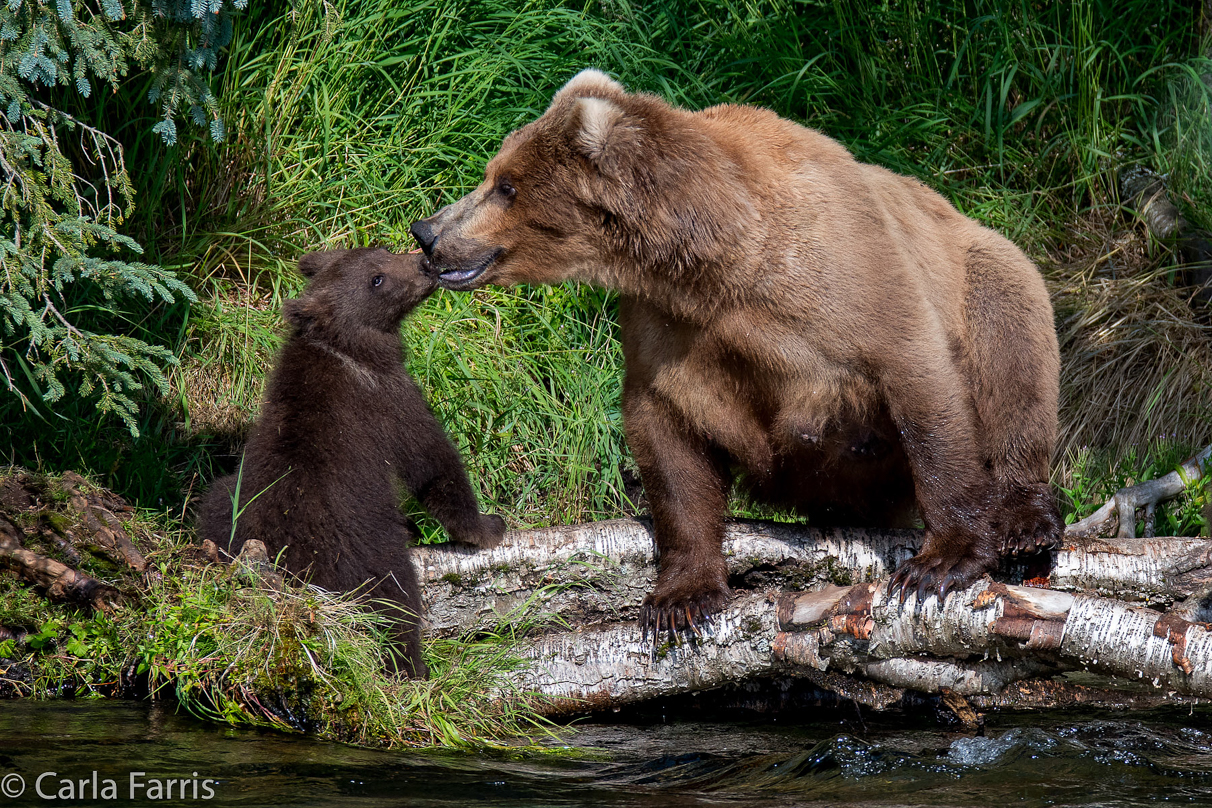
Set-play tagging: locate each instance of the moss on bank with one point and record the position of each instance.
(229, 647)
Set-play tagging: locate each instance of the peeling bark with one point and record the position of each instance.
(1028, 627)
(811, 604)
(979, 642)
(600, 572)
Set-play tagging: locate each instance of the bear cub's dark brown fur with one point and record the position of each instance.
(341, 423)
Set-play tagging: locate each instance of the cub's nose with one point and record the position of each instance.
(424, 235)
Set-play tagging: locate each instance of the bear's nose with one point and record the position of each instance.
(424, 235)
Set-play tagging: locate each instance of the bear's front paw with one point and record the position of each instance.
(938, 572)
(684, 599)
(1028, 520)
(484, 534)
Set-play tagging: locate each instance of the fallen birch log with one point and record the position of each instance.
(600, 572)
(979, 641)
(810, 604)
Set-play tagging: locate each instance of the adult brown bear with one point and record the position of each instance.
(839, 334)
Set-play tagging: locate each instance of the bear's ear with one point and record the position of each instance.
(597, 124)
(313, 263)
(304, 313)
(590, 82)
(607, 135)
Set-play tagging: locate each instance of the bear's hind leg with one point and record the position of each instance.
(215, 513)
(399, 598)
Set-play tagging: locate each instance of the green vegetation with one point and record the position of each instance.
(347, 119)
(228, 645)
(67, 292)
(1092, 478)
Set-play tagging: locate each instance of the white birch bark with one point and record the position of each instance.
(833, 623)
(978, 641)
(600, 572)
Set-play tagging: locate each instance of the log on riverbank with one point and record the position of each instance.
(811, 604)
(818, 606)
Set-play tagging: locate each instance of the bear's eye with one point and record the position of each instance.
(377, 280)
(505, 188)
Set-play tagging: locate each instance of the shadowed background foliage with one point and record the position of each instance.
(347, 119)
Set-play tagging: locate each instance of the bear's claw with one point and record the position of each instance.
(680, 610)
(1029, 521)
(927, 574)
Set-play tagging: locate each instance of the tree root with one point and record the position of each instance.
(59, 581)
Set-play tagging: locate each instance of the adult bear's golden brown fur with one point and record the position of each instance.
(838, 334)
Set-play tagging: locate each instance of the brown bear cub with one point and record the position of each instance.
(341, 423)
(837, 334)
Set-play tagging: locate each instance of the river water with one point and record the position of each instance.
(825, 757)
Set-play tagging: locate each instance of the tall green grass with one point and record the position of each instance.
(348, 119)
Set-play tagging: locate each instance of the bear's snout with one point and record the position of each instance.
(424, 233)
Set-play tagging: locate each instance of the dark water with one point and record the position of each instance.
(1094, 759)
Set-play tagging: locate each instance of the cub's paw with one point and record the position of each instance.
(487, 532)
(937, 573)
(684, 600)
(1028, 520)
(492, 530)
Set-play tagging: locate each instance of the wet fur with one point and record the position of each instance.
(837, 333)
(341, 425)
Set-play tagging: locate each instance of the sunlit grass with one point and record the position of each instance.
(227, 645)
(349, 119)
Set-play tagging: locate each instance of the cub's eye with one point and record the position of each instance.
(505, 188)
(377, 280)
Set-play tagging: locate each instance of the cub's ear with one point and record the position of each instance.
(313, 263)
(304, 313)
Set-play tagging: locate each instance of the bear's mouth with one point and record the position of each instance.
(461, 279)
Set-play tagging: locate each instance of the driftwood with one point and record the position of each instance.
(57, 580)
(1126, 612)
(1122, 507)
(1145, 190)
